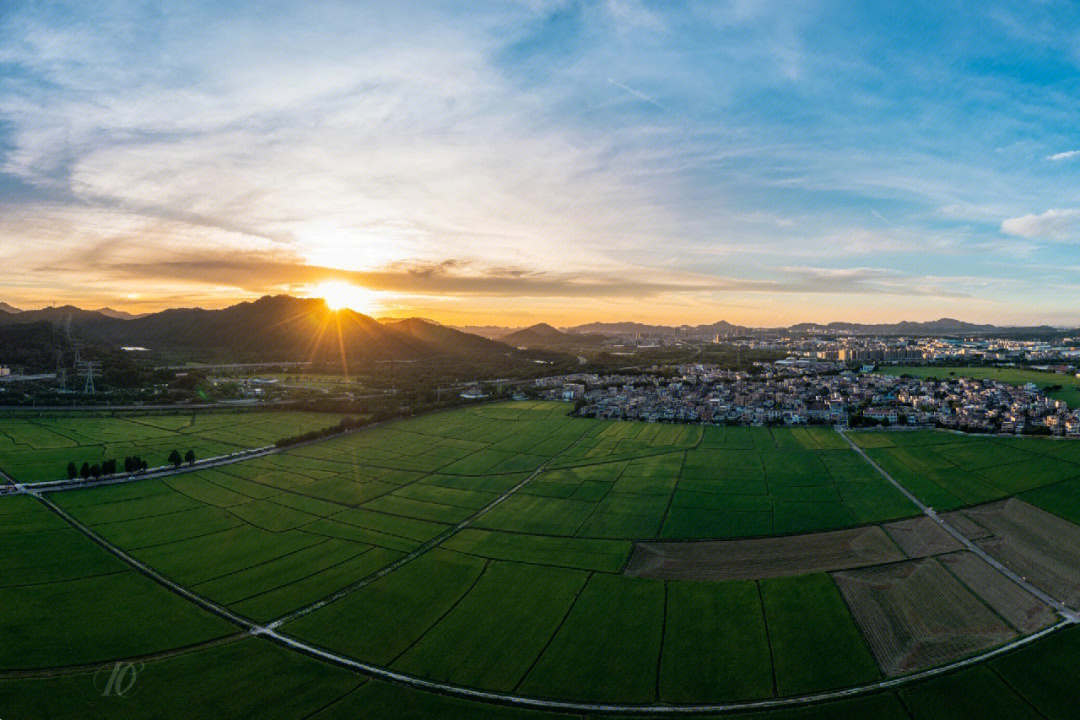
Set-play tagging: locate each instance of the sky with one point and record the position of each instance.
(515, 162)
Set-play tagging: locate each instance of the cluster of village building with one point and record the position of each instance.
(803, 391)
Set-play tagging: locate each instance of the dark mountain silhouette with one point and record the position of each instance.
(4, 307)
(271, 328)
(446, 339)
(118, 314)
(32, 345)
(59, 315)
(545, 336)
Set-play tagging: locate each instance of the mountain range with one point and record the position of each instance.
(944, 326)
(271, 328)
(280, 328)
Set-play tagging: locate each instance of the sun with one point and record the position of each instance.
(341, 295)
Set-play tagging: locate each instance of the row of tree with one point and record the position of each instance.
(346, 424)
(132, 464)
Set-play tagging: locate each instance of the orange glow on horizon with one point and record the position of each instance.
(342, 295)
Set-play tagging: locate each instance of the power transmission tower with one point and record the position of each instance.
(87, 369)
(61, 371)
(77, 345)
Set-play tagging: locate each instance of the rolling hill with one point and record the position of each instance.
(271, 328)
(547, 337)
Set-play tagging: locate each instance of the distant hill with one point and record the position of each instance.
(118, 314)
(491, 332)
(89, 322)
(271, 328)
(944, 326)
(547, 337)
(621, 328)
(4, 307)
(445, 338)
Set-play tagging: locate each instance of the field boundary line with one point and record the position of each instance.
(420, 549)
(655, 709)
(1064, 611)
(203, 464)
(193, 597)
(382, 673)
(85, 668)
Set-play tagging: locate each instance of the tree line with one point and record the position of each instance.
(132, 464)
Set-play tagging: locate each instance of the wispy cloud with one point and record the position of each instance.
(637, 93)
(611, 151)
(1060, 225)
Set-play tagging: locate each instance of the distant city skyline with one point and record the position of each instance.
(509, 163)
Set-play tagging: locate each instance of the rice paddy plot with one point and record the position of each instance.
(915, 615)
(608, 647)
(241, 679)
(58, 614)
(798, 644)
(379, 622)
(728, 663)
(39, 448)
(493, 636)
(947, 470)
(760, 558)
(1039, 545)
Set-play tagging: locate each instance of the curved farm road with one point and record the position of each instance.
(386, 674)
(270, 633)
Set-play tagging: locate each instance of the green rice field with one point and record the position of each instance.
(33, 449)
(484, 549)
(950, 470)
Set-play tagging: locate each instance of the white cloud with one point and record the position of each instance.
(1068, 155)
(1061, 225)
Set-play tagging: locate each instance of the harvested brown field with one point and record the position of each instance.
(915, 615)
(760, 558)
(922, 537)
(1021, 609)
(967, 527)
(1038, 545)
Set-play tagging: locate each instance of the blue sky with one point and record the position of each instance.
(521, 161)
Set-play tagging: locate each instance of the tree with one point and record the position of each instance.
(129, 464)
(84, 471)
(189, 457)
(175, 459)
(95, 470)
(72, 470)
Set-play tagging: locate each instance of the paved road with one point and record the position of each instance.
(1065, 612)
